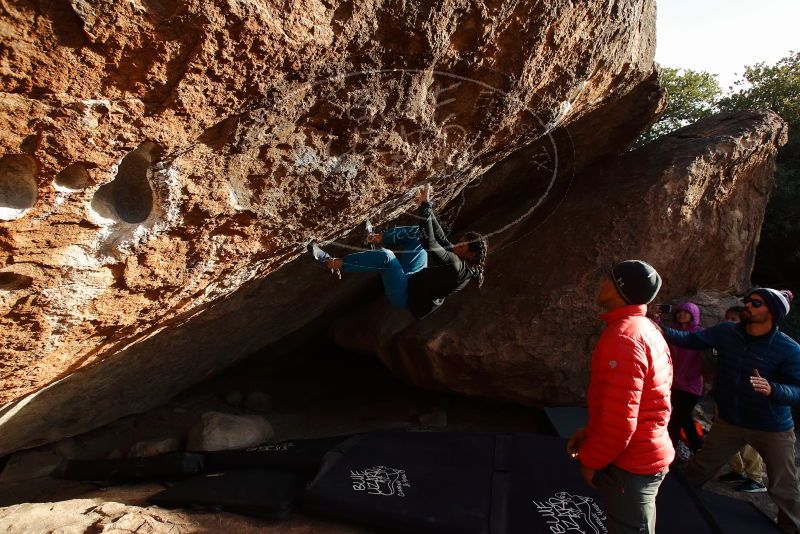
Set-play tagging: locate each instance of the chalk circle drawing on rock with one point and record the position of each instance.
(429, 141)
(566, 513)
(380, 480)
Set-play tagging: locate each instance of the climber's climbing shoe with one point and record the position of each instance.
(318, 254)
(321, 257)
(369, 230)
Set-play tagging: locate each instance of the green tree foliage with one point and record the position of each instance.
(777, 87)
(691, 95)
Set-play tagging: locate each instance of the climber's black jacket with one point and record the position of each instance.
(445, 273)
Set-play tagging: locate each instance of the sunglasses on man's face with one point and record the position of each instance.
(755, 303)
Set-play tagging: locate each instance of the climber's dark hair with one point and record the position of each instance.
(477, 244)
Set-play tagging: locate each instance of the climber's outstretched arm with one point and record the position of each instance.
(438, 233)
(431, 234)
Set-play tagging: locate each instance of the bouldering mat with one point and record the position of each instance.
(565, 420)
(734, 516)
(257, 492)
(547, 494)
(730, 515)
(303, 455)
(480, 483)
(408, 482)
(163, 466)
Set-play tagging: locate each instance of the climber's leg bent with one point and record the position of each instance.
(383, 261)
(404, 240)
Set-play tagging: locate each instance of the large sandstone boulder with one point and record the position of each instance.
(691, 204)
(161, 165)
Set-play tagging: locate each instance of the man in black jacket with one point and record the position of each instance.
(757, 382)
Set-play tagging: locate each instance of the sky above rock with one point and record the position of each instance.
(722, 36)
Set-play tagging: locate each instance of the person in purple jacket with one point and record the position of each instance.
(687, 381)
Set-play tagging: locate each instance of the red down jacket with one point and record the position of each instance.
(629, 396)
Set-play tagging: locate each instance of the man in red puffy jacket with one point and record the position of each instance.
(625, 449)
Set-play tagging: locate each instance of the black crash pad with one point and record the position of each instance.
(545, 491)
(485, 483)
(163, 466)
(303, 455)
(408, 482)
(735, 516)
(565, 420)
(257, 492)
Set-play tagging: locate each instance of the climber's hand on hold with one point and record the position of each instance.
(424, 194)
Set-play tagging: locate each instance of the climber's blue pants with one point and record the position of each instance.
(395, 267)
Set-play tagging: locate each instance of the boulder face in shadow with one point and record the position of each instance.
(181, 153)
(691, 204)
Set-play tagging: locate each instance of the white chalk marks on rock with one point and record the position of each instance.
(18, 190)
(129, 196)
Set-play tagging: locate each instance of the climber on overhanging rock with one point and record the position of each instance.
(425, 269)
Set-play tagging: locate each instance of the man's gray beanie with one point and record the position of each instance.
(636, 281)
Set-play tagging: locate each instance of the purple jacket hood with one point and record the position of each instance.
(687, 363)
(694, 311)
